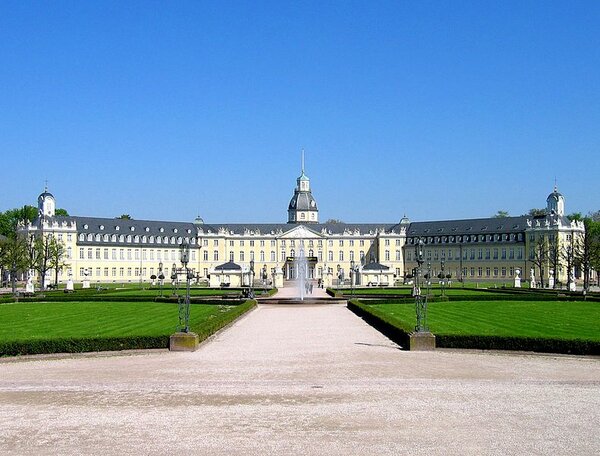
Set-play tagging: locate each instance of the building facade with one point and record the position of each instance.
(491, 249)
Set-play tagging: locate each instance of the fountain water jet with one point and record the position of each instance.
(301, 267)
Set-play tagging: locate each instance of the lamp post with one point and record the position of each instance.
(183, 339)
(352, 272)
(264, 277)
(161, 277)
(174, 280)
(251, 279)
(442, 276)
(420, 300)
(184, 307)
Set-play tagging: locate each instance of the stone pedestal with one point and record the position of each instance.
(278, 278)
(69, 286)
(421, 341)
(29, 287)
(85, 284)
(182, 341)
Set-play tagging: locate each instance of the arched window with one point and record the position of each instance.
(166, 240)
(82, 237)
(129, 238)
(292, 253)
(136, 239)
(179, 240)
(121, 238)
(144, 239)
(98, 238)
(311, 253)
(105, 238)
(173, 240)
(151, 239)
(158, 239)
(113, 238)
(90, 237)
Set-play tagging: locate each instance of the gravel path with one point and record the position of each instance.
(307, 380)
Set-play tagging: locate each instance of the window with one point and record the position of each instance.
(121, 254)
(114, 272)
(89, 254)
(69, 238)
(205, 255)
(128, 272)
(231, 242)
(251, 243)
(387, 255)
(105, 272)
(216, 254)
(487, 254)
(495, 254)
(272, 256)
(81, 254)
(69, 252)
(351, 255)
(106, 254)
(231, 256)
(262, 242)
(98, 254)
(137, 254)
(387, 242)
(504, 253)
(262, 255)
(479, 272)
(216, 243)
(341, 243)
(330, 256)
(252, 255)
(242, 256)
(487, 272)
(121, 272)
(129, 254)
(341, 256)
(511, 254)
(398, 255)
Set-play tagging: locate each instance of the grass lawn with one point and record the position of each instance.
(548, 319)
(407, 292)
(54, 324)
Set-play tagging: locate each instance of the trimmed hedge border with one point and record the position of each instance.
(535, 344)
(97, 344)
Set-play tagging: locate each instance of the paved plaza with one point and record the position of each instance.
(307, 380)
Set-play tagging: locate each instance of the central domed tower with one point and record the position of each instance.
(303, 207)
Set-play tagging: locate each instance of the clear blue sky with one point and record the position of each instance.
(167, 110)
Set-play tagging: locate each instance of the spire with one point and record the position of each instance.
(302, 161)
(555, 185)
(46, 186)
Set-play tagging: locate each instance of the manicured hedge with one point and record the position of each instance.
(400, 334)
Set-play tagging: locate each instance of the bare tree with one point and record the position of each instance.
(554, 256)
(590, 250)
(540, 256)
(571, 255)
(57, 255)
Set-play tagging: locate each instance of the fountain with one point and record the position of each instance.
(301, 267)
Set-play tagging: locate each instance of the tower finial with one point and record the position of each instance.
(46, 185)
(555, 185)
(302, 161)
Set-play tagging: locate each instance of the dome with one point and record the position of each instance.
(198, 221)
(302, 201)
(404, 220)
(45, 195)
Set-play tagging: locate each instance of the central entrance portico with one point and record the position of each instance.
(302, 237)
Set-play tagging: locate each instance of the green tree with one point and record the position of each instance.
(334, 221)
(125, 217)
(590, 251)
(501, 214)
(13, 257)
(10, 219)
(595, 216)
(575, 216)
(535, 212)
(61, 212)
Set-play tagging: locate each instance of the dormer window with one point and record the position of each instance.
(162, 230)
(117, 228)
(132, 228)
(101, 227)
(85, 227)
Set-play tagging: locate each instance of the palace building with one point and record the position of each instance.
(488, 249)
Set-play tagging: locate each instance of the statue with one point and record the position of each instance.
(551, 278)
(533, 284)
(517, 278)
(86, 281)
(70, 286)
(30, 287)
(572, 285)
